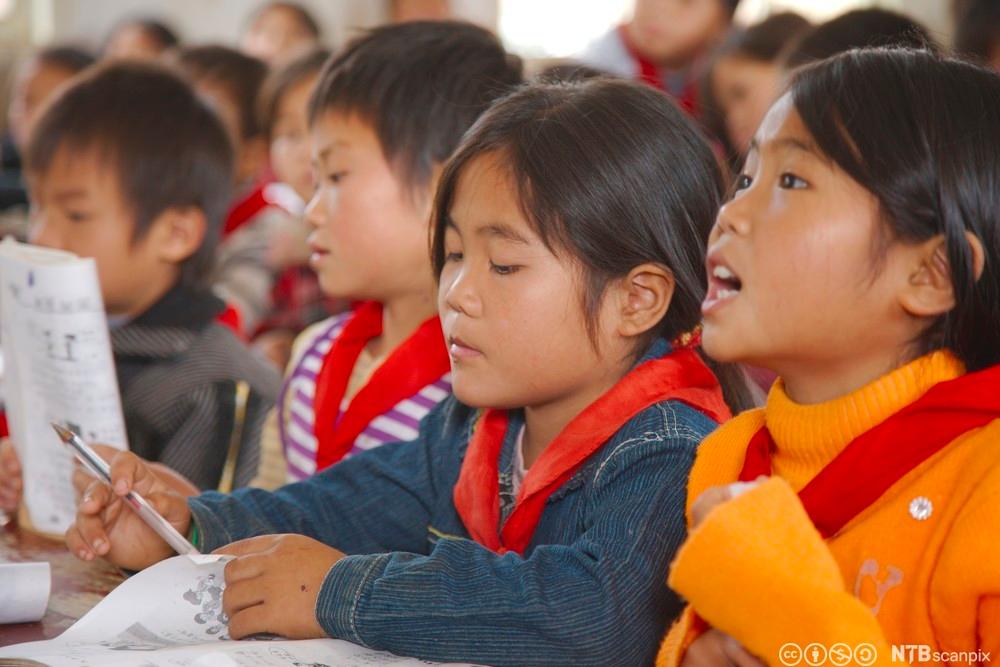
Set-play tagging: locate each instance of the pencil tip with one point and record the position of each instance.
(63, 433)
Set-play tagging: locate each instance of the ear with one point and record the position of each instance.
(929, 291)
(643, 297)
(177, 233)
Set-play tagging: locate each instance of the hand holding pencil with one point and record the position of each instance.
(106, 527)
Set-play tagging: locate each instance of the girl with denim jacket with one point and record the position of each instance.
(532, 519)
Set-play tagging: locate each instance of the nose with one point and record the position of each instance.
(42, 232)
(313, 213)
(458, 291)
(733, 217)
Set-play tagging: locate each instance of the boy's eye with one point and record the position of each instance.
(791, 182)
(336, 176)
(503, 269)
(453, 257)
(77, 216)
(742, 182)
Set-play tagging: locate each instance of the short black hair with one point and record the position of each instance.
(302, 15)
(920, 132)
(977, 31)
(166, 147)
(157, 30)
(65, 57)
(612, 174)
(420, 84)
(240, 75)
(860, 29)
(279, 81)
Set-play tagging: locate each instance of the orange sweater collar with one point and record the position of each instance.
(807, 437)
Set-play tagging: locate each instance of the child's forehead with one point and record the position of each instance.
(86, 167)
(340, 131)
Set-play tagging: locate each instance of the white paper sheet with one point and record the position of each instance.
(24, 591)
(171, 615)
(58, 366)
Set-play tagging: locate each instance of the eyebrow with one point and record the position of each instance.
(787, 143)
(502, 231)
(68, 195)
(326, 150)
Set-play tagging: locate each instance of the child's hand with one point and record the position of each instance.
(105, 527)
(11, 484)
(717, 495)
(717, 649)
(273, 583)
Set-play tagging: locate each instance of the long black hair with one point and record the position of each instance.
(921, 133)
(614, 174)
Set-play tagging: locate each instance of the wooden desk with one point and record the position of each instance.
(76, 585)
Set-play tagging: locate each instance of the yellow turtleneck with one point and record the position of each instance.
(757, 569)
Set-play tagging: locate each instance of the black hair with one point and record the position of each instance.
(858, 29)
(278, 83)
(420, 85)
(569, 71)
(764, 42)
(240, 75)
(166, 148)
(155, 29)
(977, 30)
(302, 15)
(920, 132)
(613, 174)
(69, 58)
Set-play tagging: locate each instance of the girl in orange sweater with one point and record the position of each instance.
(855, 519)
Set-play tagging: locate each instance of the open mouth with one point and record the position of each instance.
(723, 285)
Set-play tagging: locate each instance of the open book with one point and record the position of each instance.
(171, 614)
(58, 367)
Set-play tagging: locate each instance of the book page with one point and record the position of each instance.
(58, 367)
(171, 614)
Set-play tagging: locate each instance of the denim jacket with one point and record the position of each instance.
(589, 590)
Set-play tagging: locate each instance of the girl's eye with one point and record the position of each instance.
(453, 257)
(742, 182)
(336, 176)
(791, 182)
(503, 269)
(76, 216)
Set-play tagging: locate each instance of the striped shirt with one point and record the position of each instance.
(297, 412)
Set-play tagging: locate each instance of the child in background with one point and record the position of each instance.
(386, 114)
(744, 79)
(977, 31)
(279, 32)
(140, 39)
(129, 167)
(529, 521)
(858, 29)
(297, 299)
(35, 81)
(665, 44)
(232, 82)
(878, 525)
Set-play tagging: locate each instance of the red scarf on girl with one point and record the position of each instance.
(881, 456)
(680, 375)
(420, 360)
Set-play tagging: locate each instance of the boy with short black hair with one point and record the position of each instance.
(129, 167)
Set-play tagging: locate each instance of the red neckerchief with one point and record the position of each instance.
(244, 210)
(880, 457)
(420, 360)
(680, 375)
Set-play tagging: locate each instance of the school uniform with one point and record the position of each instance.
(440, 568)
(879, 527)
(193, 395)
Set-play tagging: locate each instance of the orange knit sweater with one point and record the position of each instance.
(757, 569)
